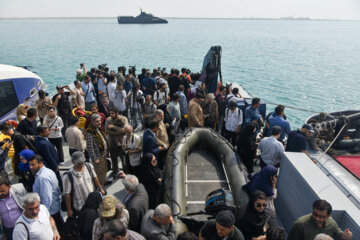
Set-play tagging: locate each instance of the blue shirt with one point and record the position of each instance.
(89, 95)
(279, 121)
(183, 103)
(47, 186)
(250, 112)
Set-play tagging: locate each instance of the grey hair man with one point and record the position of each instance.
(96, 146)
(136, 201)
(116, 230)
(154, 222)
(211, 111)
(322, 236)
(35, 222)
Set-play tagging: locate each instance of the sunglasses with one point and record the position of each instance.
(261, 205)
(319, 216)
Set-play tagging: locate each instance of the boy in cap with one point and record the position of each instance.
(221, 228)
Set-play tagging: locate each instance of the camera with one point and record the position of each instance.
(81, 65)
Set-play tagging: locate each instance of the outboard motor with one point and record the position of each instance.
(219, 200)
(211, 69)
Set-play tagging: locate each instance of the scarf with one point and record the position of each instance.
(95, 132)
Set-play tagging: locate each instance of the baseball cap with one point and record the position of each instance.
(59, 87)
(108, 206)
(308, 127)
(78, 157)
(225, 218)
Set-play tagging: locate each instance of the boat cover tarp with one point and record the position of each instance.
(352, 163)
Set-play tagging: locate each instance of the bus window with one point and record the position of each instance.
(8, 98)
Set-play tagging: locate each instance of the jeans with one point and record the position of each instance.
(136, 117)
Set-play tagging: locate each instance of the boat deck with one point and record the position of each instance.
(200, 183)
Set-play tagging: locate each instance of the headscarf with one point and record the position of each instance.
(93, 201)
(49, 120)
(148, 169)
(262, 180)
(27, 154)
(252, 222)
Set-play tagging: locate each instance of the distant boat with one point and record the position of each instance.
(143, 18)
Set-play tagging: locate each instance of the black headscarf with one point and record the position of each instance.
(148, 169)
(252, 222)
(89, 214)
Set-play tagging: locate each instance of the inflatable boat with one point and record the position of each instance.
(203, 175)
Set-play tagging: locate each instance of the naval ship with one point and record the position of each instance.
(143, 18)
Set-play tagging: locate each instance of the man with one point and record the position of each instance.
(81, 73)
(116, 230)
(78, 99)
(161, 97)
(322, 236)
(85, 180)
(162, 137)
(97, 147)
(234, 96)
(271, 149)
(42, 104)
(120, 74)
(28, 125)
(195, 112)
(183, 101)
(62, 103)
(150, 144)
(233, 119)
(136, 201)
(319, 221)
(47, 151)
(128, 85)
(136, 102)
(132, 147)
(211, 111)
(149, 110)
(148, 84)
(47, 186)
(20, 143)
(174, 107)
(297, 140)
(75, 137)
(115, 131)
(89, 91)
(120, 99)
(94, 108)
(101, 84)
(278, 120)
(252, 110)
(174, 81)
(10, 203)
(35, 222)
(158, 224)
(221, 228)
(111, 88)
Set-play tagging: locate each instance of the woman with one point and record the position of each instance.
(55, 124)
(27, 178)
(265, 181)
(104, 105)
(152, 179)
(21, 111)
(253, 220)
(246, 145)
(110, 208)
(88, 215)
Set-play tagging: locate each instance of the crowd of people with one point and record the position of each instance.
(114, 105)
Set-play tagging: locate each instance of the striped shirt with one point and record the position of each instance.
(134, 236)
(83, 186)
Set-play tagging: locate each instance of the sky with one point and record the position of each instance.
(315, 9)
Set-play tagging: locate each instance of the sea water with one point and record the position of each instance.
(313, 65)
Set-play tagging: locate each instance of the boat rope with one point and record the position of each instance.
(291, 107)
(333, 141)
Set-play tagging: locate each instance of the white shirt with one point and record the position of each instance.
(55, 126)
(119, 100)
(111, 91)
(160, 97)
(233, 119)
(101, 85)
(133, 143)
(39, 229)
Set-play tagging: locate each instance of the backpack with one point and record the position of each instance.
(223, 105)
(158, 94)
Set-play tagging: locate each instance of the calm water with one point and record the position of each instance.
(308, 64)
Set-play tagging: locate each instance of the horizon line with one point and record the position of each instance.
(198, 18)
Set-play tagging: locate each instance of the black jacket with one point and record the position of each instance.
(137, 205)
